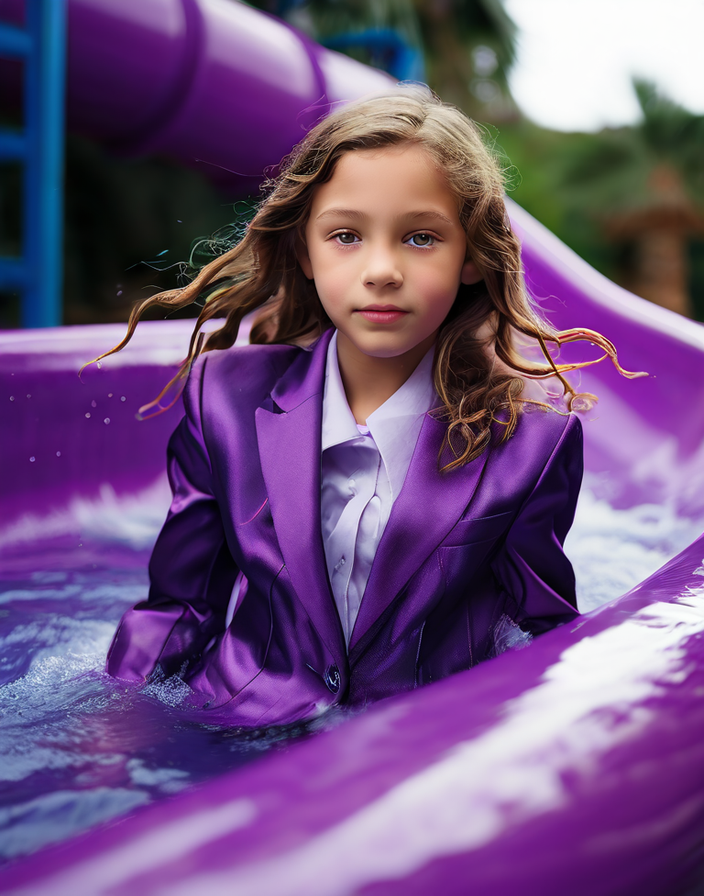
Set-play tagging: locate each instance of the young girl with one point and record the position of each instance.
(362, 498)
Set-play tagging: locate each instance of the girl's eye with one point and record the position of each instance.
(421, 240)
(346, 238)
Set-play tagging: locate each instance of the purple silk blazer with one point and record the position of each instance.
(460, 551)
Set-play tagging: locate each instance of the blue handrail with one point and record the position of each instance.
(38, 273)
(389, 49)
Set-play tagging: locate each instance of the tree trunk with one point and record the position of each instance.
(660, 270)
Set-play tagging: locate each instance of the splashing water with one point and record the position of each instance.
(80, 748)
(613, 550)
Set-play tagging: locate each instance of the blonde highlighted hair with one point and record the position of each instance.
(262, 271)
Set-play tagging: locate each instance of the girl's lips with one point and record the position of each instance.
(382, 315)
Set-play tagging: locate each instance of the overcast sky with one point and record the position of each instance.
(576, 58)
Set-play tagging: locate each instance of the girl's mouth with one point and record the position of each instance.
(382, 314)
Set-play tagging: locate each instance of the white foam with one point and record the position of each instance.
(129, 593)
(172, 691)
(63, 637)
(168, 780)
(133, 519)
(54, 816)
(613, 550)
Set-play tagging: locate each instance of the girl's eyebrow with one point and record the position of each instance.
(359, 215)
(341, 213)
(430, 214)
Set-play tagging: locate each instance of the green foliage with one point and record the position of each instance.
(612, 171)
(475, 22)
(576, 183)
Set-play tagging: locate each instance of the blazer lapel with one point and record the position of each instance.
(428, 506)
(288, 435)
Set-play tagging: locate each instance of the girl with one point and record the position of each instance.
(362, 497)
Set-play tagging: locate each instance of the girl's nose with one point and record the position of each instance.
(382, 269)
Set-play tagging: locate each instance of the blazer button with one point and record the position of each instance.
(332, 678)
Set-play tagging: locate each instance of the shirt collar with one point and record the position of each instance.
(339, 424)
(394, 425)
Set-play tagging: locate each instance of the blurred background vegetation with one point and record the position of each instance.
(630, 200)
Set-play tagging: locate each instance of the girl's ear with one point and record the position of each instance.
(304, 258)
(470, 273)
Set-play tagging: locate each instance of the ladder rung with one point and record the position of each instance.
(14, 41)
(13, 146)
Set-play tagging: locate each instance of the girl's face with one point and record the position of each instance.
(387, 252)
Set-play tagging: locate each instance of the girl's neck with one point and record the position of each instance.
(369, 381)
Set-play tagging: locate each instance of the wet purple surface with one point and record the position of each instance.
(574, 765)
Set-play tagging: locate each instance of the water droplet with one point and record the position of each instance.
(99, 364)
(12, 398)
(29, 395)
(109, 394)
(122, 398)
(94, 404)
(119, 292)
(106, 420)
(32, 459)
(88, 416)
(179, 221)
(58, 454)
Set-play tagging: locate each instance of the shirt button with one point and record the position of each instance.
(332, 678)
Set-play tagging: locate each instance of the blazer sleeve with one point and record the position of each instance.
(191, 570)
(531, 566)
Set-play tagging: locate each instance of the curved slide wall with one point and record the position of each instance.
(574, 766)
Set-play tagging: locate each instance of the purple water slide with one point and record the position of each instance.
(575, 765)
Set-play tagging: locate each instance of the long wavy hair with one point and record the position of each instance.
(262, 272)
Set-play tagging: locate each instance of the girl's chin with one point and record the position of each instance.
(384, 351)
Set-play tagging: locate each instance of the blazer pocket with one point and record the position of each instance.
(483, 528)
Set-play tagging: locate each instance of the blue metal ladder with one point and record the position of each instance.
(39, 147)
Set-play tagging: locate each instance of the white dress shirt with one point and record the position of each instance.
(363, 469)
